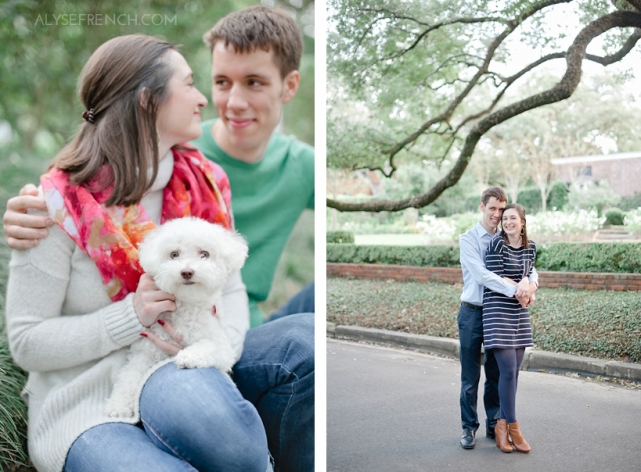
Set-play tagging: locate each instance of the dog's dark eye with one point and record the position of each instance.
(175, 254)
(204, 254)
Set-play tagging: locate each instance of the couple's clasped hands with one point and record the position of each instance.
(525, 292)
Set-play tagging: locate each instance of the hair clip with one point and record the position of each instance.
(88, 115)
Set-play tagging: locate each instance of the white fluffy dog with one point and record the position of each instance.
(191, 259)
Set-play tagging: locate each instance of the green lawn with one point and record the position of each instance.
(603, 324)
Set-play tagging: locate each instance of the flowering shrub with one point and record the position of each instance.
(374, 227)
(559, 223)
(549, 225)
(447, 229)
(437, 229)
(633, 220)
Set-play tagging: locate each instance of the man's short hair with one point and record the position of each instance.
(496, 192)
(261, 27)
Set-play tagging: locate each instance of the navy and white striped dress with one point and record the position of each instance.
(506, 325)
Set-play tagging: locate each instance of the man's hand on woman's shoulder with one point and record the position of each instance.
(22, 230)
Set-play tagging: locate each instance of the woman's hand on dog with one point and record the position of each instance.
(170, 348)
(150, 302)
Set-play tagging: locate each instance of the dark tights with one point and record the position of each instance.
(509, 361)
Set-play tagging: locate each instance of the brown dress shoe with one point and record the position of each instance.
(502, 442)
(520, 444)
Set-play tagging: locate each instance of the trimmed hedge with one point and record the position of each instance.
(430, 256)
(591, 257)
(614, 216)
(564, 257)
(340, 237)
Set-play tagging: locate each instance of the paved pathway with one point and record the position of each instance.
(395, 410)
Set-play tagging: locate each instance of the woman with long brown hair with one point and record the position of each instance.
(77, 300)
(506, 323)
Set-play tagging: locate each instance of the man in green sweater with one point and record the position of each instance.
(255, 58)
(271, 175)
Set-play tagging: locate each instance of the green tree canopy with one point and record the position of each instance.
(427, 79)
(45, 44)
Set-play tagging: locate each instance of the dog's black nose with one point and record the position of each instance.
(187, 274)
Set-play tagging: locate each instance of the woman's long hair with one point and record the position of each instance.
(124, 82)
(521, 212)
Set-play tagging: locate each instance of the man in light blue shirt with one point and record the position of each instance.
(473, 245)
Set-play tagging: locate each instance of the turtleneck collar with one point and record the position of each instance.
(165, 169)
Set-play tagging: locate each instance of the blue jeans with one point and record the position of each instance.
(196, 419)
(192, 420)
(470, 332)
(276, 374)
(302, 302)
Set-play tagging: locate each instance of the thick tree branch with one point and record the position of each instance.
(561, 91)
(511, 26)
(635, 3)
(627, 47)
(607, 60)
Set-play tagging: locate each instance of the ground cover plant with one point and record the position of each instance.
(594, 323)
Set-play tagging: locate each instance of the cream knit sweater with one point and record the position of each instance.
(70, 336)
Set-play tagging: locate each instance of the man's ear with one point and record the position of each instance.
(291, 83)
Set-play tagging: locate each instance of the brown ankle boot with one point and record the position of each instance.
(520, 444)
(502, 442)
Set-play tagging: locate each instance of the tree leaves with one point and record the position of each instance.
(418, 70)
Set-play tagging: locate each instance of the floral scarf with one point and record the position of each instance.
(110, 234)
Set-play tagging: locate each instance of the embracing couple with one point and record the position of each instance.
(499, 284)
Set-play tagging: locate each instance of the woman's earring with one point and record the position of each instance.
(522, 230)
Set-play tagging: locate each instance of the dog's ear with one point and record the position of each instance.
(234, 252)
(147, 253)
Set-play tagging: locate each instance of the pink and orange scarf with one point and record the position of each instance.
(110, 235)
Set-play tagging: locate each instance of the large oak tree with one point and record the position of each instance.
(425, 79)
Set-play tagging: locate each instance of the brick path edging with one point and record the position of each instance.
(547, 279)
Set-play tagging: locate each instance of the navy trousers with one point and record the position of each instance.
(470, 331)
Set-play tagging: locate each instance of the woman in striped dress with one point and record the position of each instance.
(506, 323)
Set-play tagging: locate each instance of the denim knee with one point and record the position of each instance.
(200, 416)
(298, 340)
(244, 434)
